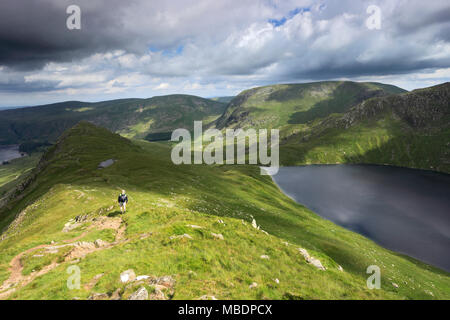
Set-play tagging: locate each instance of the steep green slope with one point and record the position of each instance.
(286, 106)
(173, 226)
(410, 129)
(134, 118)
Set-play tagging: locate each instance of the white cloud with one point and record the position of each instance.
(221, 47)
(162, 86)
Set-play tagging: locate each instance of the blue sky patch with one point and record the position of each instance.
(290, 15)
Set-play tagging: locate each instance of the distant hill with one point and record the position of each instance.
(284, 106)
(134, 118)
(410, 129)
(194, 231)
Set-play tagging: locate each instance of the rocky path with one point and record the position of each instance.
(80, 249)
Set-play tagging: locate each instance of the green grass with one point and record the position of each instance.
(164, 200)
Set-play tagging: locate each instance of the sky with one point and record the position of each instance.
(141, 48)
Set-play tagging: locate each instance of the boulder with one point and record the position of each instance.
(106, 163)
(316, 263)
(166, 281)
(311, 260)
(140, 294)
(127, 276)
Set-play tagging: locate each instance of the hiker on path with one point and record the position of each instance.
(123, 200)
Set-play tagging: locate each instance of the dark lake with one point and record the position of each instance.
(9, 152)
(401, 209)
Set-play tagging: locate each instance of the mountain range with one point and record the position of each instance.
(133, 118)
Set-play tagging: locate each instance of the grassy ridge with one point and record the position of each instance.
(164, 200)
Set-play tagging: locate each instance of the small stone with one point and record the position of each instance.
(217, 236)
(193, 226)
(206, 297)
(277, 281)
(304, 253)
(166, 281)
(100, 243)
(116, 295)
(99, 296)
(127, 276)
(395, 285)
(316, 263)
(253, 285)
(186, 236)
(157, 295)
(140, 294)
(192, 274)
(265, 257)
(144, 277)
(311, 260)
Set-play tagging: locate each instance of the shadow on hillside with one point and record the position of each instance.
(114, 214)
(409, 150)
(405, 150)
(319, 110)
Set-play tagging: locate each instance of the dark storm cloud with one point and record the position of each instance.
(33, 33)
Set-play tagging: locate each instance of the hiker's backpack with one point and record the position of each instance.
(122, 198)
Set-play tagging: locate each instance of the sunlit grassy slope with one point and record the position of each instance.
(165, 201)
